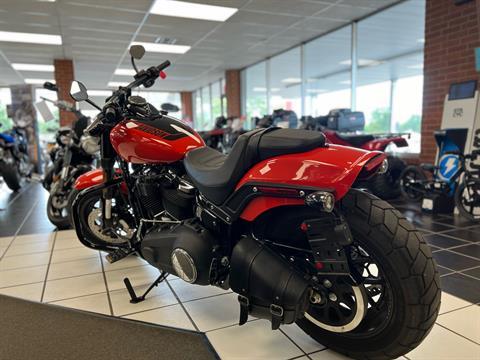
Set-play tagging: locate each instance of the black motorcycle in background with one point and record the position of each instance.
(73, 155)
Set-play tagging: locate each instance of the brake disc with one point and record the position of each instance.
(95, 221)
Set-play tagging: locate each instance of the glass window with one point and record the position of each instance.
(48, 129)
(198, 116)
(224, 97)
(285, 86)
(216, 100)
(390, 70)
(328, 72)
(255, 85)
(206, 109)
(157, 98)
(5, 99)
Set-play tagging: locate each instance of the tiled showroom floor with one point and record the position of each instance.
(41, 264)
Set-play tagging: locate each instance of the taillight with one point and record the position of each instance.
(377, 164)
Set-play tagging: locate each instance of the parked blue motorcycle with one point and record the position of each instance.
(14, 160)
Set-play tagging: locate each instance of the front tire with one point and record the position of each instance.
(405, 262)
(11, 176)
(467, 199)
(57, 217)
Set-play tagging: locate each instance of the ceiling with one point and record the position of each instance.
(96, 35)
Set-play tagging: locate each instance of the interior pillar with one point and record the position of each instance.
(64, 75)
(232, 91)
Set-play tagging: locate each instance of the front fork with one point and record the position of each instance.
(107, 163)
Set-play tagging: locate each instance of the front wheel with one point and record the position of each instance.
(396, 305)
(467, 199)
(57, 211)
(10, 175)
(412, 183)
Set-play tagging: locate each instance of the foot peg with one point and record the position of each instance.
(134, 299)
(116, 255)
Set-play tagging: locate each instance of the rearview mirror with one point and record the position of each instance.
(78, 91)
(137, 51)
(169, 107)
(49, 86)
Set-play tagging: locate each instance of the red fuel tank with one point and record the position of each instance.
(157, 141)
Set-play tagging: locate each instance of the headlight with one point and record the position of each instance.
(384, 167)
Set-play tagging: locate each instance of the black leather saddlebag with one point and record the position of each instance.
(268, 286)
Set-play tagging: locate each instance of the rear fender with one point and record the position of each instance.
(334, 167)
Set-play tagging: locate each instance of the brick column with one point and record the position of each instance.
(64, 76)
(187, 106)
(232, 91)
(451, 35)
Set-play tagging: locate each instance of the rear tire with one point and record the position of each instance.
(406, 263)
(11, 176)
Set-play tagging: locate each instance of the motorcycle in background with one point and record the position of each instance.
(342, 126)
(73, 155)
(14, 160)
(278, 220)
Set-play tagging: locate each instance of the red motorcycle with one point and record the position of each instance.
(278, 221)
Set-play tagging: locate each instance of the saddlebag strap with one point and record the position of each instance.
(276, 309)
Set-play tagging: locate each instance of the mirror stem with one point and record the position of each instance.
(93, 104)
(133, 64)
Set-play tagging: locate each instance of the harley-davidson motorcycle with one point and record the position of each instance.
(73, 155)
(278, 220)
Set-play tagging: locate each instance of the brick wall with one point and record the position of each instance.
(232, 92)
(187, 106)
(63, 78)
(451, 34)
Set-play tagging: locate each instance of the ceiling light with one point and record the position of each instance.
(33, 67)
(163, 48)
(192, 10)
(99, 92)
(117, 84)
(38, 81)
(30, 38)
(361, 62)
(129, 72)
(291, 80)
(260, 89)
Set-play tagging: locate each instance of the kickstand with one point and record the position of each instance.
(134, 299)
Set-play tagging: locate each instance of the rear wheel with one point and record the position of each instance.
(10, 175)
(387, 186)
(412, 182)
(396, 305)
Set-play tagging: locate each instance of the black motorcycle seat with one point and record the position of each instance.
(356, 139)
(216, 174)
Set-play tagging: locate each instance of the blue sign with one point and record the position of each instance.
(448, 166)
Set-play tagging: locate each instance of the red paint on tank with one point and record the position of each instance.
(160, 141)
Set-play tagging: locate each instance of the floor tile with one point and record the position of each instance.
(158, 297)
(461, 286)
(173, 316)
(34, 238)
(74, 287)
(30, 248)
(473, 272)
(254, 340)
(140, 275)
(451, 302)
(128, 262)
(464, 234)
(74, 268)
(73, 254)
(443, 241)
(31, 292)
(444, 271)
(95, 303)
(22, 261)
(454, 261)
(66, 234)
(5, 241)
(67, 243)
(22, 276)
(187, 292)
(465, 322)
(442, 344)
(215, 312)
(470, 250)
(299, 337)
(2, 250)
(328, 355)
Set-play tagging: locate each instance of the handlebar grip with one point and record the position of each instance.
(110, 114)
(163, 65)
